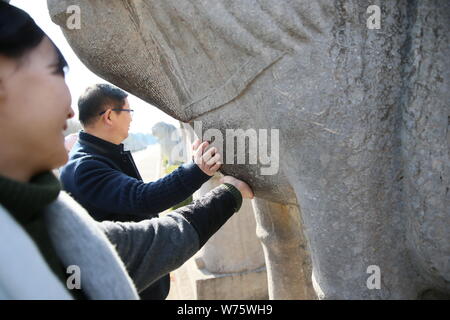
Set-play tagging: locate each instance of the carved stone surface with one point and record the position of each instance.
(231, 264)
(363, 117)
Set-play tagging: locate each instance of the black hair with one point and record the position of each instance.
(19, 34)
(95, 99)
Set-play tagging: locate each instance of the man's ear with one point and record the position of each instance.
(107, 117)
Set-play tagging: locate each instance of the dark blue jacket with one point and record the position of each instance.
(104, 179)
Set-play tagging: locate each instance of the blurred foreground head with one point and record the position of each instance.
(34, 98)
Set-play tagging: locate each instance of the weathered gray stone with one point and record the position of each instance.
(231, 264)
(285, 250)
(235, 247)
(363, 117)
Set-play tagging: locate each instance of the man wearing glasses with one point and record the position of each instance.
(103, 177)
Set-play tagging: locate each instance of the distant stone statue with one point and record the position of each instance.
(360, 205)
(70, 140)
(169, 138)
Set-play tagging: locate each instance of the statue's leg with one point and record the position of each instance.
(355, 240)
(288, 265)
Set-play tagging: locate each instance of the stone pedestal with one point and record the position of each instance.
(229, 266)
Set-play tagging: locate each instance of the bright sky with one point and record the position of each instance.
(79, 76)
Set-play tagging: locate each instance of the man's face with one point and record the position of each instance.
(122, 121)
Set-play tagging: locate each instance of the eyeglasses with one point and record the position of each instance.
(131, 111)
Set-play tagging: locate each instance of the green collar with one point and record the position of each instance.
(25, 200)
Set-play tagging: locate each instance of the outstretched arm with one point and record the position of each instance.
(104, 187)
(154, 247)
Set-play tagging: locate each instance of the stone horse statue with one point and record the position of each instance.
(359, 207)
